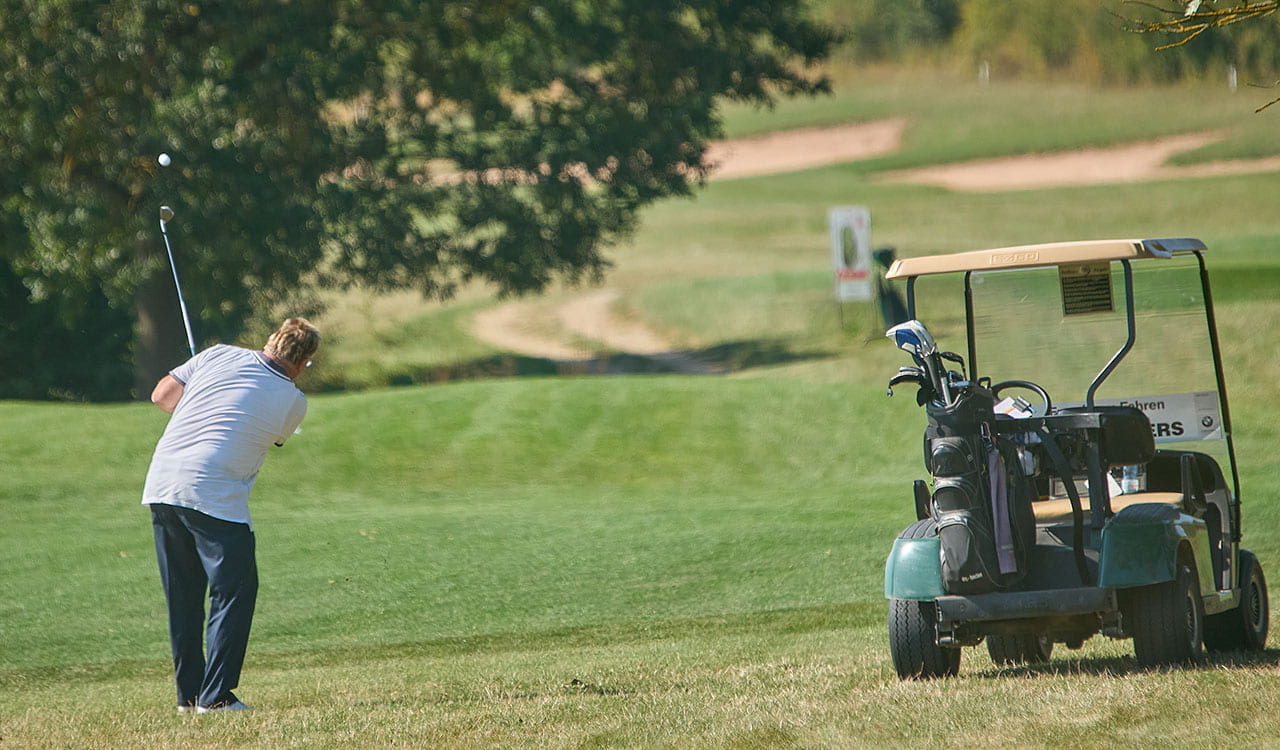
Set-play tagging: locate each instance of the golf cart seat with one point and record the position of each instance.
(1189, 482)
(1053, 512)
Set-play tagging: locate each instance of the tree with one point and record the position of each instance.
(388, 142)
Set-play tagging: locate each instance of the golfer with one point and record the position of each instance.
(229, 405)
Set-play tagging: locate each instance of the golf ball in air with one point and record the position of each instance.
(164, 160)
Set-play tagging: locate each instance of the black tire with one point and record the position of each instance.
(913, 629)
(1015, 650)
(1245, 627)
(913, 641)
(1168, 620)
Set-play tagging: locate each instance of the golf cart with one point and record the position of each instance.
(1088, 484)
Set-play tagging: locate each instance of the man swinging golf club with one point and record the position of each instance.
(229, 405)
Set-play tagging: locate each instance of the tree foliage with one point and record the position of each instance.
(393, 143)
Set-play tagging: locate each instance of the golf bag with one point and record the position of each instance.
(981, 500)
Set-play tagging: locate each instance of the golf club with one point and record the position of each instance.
(166, 215)
(913, 338)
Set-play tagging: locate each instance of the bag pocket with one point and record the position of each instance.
(957, 493)
(951, 457)
(968, 554)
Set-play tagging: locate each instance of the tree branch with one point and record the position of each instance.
(1192, 24)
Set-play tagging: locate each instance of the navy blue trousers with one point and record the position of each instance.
(201, 555)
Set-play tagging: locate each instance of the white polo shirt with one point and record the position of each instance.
(235, 405)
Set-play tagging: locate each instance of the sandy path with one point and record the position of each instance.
(507, 327)
(589, 316)
(592, 316)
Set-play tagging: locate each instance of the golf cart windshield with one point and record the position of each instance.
(1063, 327)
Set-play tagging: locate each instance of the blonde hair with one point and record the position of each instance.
(295, 341)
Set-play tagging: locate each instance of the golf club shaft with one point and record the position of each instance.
(182, 303)
(940, 372)
(937, 378)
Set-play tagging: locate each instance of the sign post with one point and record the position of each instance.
(851, 252)
(850, 228)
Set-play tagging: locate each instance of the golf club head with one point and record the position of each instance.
(166, 215)
(908, 375)
(913, 338)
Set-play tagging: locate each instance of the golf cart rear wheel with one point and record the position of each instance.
(1168, 620)
(913, 628)
(1022, 648)
(1245, 627)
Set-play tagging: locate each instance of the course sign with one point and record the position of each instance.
(851, 252)
(1176, 417)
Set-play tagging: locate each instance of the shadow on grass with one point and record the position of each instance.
(1119, 666)
(721, 359)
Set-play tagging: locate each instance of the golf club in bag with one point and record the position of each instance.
(913, 338)
(981, 500)
(166, 215)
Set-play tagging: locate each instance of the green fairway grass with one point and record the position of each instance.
(642, 560)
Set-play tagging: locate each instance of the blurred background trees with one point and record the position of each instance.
(1088, 40)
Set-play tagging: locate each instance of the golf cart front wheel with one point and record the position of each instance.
(913, 628)
(1245, 627)
(1168, 620)
(913, 642)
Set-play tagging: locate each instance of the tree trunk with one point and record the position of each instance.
(159, 339)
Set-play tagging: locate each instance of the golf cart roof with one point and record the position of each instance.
(1034, 256)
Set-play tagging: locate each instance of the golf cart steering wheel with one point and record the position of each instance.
(1026, 385)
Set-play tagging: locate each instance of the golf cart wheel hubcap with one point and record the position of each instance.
(1255, 605)
(1193, 620)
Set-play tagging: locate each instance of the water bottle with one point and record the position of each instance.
(1131, 479)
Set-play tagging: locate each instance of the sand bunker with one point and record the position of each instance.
(1135, 162)
(793, 150)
